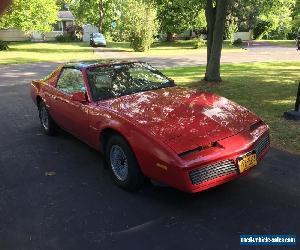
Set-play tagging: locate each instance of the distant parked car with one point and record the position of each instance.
(97, 40)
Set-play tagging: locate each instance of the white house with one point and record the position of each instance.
(65, 19)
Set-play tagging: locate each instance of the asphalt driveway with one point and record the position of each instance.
(55, 193)
(253, 53)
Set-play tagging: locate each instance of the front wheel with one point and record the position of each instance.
(123, 165)
(47, 122)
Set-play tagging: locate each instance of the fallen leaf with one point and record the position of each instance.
(50, 173)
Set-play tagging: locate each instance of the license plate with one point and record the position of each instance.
(247, 161)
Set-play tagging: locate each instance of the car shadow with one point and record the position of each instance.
(261, 202)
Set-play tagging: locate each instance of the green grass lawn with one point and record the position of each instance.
(27, 52)
(185, 47)
(268, 89)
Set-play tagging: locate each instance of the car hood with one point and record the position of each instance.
(184, 118)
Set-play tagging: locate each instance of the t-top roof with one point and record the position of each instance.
(88, 64)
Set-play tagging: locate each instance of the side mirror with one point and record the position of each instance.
(79, 97)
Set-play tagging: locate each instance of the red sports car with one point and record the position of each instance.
(147, 127)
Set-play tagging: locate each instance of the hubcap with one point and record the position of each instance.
(118, 161)
(44, 118)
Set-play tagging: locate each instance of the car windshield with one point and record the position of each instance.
(125, 79)
(98, 35)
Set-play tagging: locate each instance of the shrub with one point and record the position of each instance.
(230, 29)
(200, 43)
(63, 39)
(142, 25)
(238, 42)
(74, 32)
(3, 45)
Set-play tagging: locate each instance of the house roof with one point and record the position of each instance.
(66, 15)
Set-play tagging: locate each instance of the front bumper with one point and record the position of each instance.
(100, 44)
(218, 166)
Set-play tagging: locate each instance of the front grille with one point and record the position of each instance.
(261, 145)
(212, 171)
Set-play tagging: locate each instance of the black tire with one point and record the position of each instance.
(134, 179)
(48, 125)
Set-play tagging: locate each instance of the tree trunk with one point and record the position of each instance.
(216, 18)
(101, 15)
(4, 5)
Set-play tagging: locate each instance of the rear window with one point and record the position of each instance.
(98, 35)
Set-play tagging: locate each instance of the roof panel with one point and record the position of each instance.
(66, 15)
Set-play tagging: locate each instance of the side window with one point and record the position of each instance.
(71, 81)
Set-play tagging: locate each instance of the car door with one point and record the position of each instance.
(69, 114)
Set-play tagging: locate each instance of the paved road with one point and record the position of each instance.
(26, 72)
(55, 193)
(253, 53)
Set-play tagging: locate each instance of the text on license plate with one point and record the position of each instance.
(247, 161)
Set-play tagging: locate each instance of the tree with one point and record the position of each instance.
(64, 4)
(100, 13)
(138, 19)
(4, 4)
(270, 19)
(216, 12)
(29, 15)
(178, 15)
(296, 18)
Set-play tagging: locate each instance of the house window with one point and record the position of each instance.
(58, 26)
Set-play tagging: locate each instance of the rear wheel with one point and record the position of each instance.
(123, 165)
(47, 122)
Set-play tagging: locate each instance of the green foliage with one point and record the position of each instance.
(296, 20)
(238, 42)
(87, 12)
(270, 19)
(179, 15)
(62, 4)
(123, 20)
(29, 15)
(64, 39)
(141, 24)
(3, 45)
(261, 29)
(200, 20)
(279, 14)
(200, 43)
(230, 28)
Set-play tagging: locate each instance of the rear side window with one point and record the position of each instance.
(71, 81)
